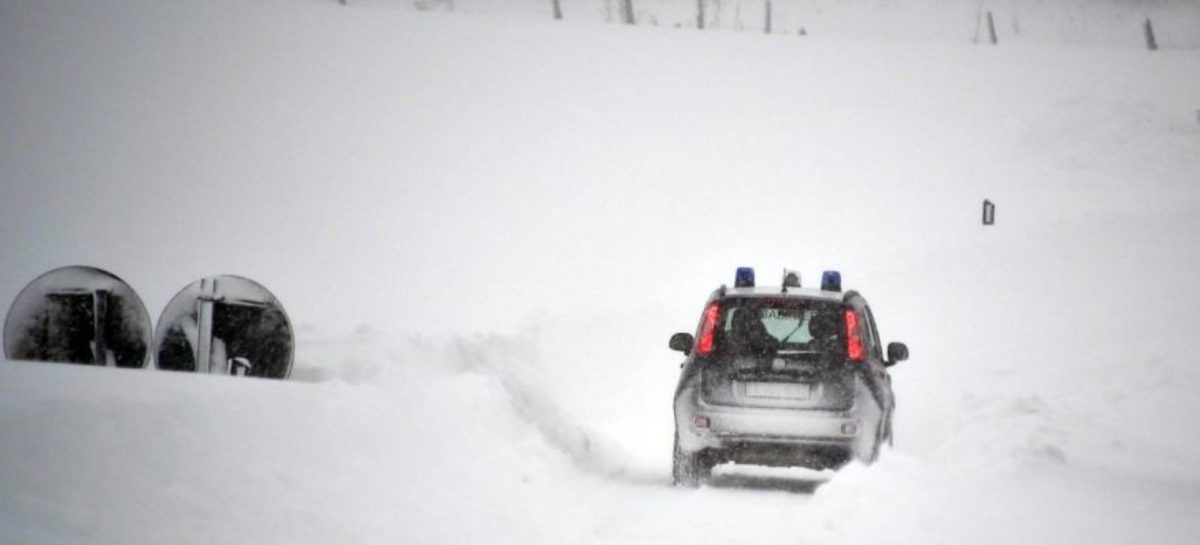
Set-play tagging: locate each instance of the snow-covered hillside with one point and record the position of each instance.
(485, 229)
(1085, 22)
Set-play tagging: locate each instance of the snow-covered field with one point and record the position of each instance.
(486, 228)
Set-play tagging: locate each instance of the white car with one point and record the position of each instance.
(782, 376)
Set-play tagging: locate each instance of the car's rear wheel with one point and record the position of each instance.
(690, 469)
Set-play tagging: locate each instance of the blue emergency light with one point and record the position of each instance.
(744, 277)
(831, 281)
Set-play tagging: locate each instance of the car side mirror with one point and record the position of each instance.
(897, 352)
(682, 342)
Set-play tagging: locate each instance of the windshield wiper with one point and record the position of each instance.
(793, 332)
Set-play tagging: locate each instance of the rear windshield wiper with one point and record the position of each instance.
(792, 332)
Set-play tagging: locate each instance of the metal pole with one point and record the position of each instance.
(204, 316)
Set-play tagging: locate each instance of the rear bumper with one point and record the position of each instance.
(810, 455)
(775, 425)
(713, 426)
(772, 436)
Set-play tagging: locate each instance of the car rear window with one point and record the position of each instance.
(761, 325)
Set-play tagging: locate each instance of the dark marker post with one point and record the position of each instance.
(1148, 30)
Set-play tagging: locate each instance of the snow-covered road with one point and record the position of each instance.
(437, 445)
(485, 230)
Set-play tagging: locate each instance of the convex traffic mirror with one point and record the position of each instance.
(225, 325)
(79, 315)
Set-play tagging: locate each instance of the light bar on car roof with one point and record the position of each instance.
(744, 277)
(791, 279)
(831, 281)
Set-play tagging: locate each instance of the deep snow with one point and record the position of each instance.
(485, 229)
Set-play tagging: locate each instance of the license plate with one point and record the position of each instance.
(778, 390)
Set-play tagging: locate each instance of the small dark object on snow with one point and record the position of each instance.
(1148, 29)
(989, 212)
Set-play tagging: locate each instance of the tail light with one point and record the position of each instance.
(708, 330)
(854, 344)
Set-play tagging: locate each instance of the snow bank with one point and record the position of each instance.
(430, 454)
(511, 365)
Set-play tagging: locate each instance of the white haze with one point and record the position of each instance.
(486, 226)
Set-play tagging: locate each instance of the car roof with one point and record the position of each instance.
(777, 292)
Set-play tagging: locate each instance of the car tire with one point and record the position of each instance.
(689, 470)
